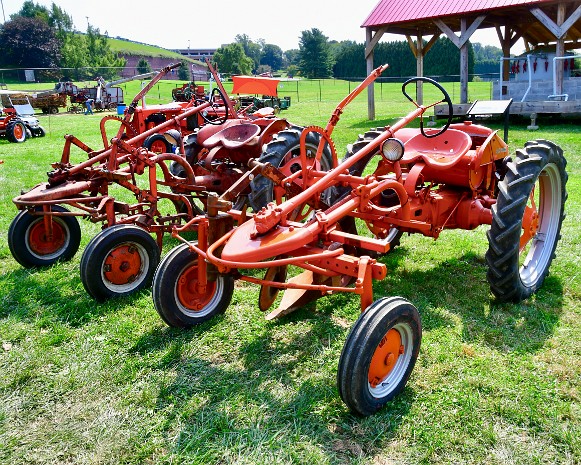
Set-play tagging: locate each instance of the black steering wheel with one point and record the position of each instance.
(207, 113)
(446, 99)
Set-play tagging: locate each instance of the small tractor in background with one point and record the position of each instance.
(335, 224)
(17, 122)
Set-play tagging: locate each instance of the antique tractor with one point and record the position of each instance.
(393, 180)
(122, 258)
(17, 122)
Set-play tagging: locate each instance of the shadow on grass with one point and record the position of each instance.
(51, 294)
(457, 288)
(267, 399)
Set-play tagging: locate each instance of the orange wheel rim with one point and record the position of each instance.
(385, 357)
(42, 244)
(18, 131)
(190, 294)
(122, 265)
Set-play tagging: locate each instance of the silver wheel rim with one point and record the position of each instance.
(395, 376)
(540, 249)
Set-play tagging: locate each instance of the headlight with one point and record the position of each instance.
(392, 149)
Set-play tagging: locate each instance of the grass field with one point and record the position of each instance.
(88, 383)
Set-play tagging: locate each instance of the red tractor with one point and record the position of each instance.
(393, 180)
(17, 122)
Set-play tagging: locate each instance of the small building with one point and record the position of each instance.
(548, 28)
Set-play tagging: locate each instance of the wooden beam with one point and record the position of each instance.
(559, 31)
(464, 35)
(373, 39)
(431, 42)
(412, 45)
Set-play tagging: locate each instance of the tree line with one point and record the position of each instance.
(41, 37)
(319, 57)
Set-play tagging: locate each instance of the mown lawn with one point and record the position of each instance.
(89, 383)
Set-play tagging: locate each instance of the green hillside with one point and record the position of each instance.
(134, 48)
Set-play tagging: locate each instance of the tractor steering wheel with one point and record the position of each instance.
(217, 120)
(445, 99)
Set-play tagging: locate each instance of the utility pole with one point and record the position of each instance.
(3, 15)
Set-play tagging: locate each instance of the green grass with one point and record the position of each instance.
(89, 383)
(135, 48)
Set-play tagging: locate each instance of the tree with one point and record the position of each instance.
(100, 57)
(143, 66)
(184, 72)
(232, 59)
(315, 57)
(29, 42)
(251, 49)
(271, 56)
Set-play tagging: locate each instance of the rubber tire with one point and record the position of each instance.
(149, 141)
(262, 188)
(339, 192)
(18, 234)
(10, 132)
(508, 280)
(99, 248)
(362, 341)
(39, 132)
(166, 299)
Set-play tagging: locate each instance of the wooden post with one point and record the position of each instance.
(560, 50)
(370, 43)
(420, 69)
(463, 64)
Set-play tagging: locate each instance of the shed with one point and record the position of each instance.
(537, 22)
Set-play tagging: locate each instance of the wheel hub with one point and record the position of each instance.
(385, 357)
(42, 243)
(122, 265)
(191, 294)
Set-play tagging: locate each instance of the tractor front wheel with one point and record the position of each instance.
(526, 221)
(379, 354)
(120, 260)
(178, 296)
(16, 132)
(32, 243)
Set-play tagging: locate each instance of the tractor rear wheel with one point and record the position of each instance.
(31, 245)
(526, 221)
(178, 298)
(283, 152)
(379, 354)
(119, 261)
(16, 131)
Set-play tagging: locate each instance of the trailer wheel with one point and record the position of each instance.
(379, 354)
(118, 261)
(283, 152)
(176, 294)
(156, 143)
(526, 221)
(53, 110)
(31, 246)
(16, 131)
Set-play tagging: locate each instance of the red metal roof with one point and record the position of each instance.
(399, 11)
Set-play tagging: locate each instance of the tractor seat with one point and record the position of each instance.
(234, 136)
(440, 152)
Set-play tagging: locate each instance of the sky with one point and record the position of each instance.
(179, 24)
